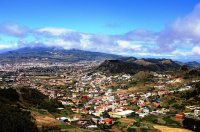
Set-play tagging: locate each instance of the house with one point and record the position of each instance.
(107, 120)
(63, 119)
(92, 127)
(196, 112)
(142, 115)
(60, 108)
(179, 116)
(121, 114)
(145, 110)
(156, 105)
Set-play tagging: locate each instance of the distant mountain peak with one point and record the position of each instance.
(52, 54)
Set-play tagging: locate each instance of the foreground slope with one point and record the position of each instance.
(17, 110)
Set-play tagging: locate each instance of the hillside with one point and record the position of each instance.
(193, 64)
(195, 72)
(136, 65)
(52, 55)
(16, 109)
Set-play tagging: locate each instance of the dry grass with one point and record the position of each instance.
(46, 120)
(127, 120)
(169, 129)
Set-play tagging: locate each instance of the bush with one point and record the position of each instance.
(178, 106)
(132, 129)
(151, 119)
(171, 122)
(64, 126)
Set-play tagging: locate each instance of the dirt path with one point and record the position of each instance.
(170, 129)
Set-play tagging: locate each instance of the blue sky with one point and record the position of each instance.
(142, 28)
(95, 16)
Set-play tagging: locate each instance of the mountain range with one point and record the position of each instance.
(193, 64)
(52, 55)
(43, 54)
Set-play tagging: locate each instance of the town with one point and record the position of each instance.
(94, 100)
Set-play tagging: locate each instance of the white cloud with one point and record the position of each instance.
(60, 43)
(3, 46)
(183, 31)
(54, 31)
(196, 50)
(85, 41)
(188, 26)
(128, 45)
(7, 46)
(180, 39)
(13, 29)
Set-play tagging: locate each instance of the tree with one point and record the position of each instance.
(105, 114)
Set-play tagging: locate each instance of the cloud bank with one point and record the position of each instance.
(180, 39)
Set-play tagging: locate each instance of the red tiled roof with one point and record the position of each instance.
(107, 120)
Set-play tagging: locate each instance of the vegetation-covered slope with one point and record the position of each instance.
(15, 112)
(134, 66)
